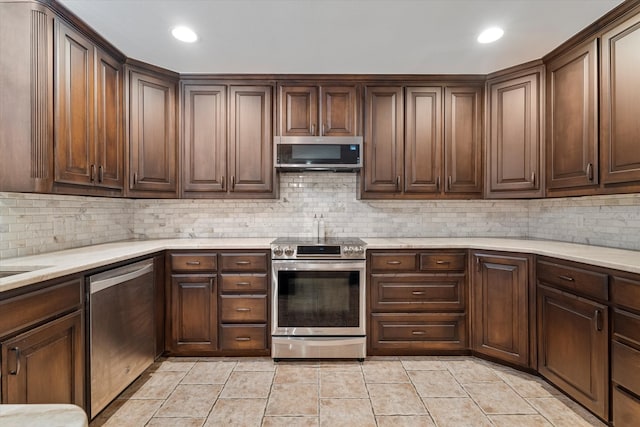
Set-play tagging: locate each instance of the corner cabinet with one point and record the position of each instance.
(330, 109)
(152, 143)
(514, 134)
(573, 331)
(503, 307)
(228, 141)
(42, 345)
(619, 94)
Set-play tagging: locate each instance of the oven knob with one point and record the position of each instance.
(358, 250)
(348, 250)
(277, 251)
(288, 251)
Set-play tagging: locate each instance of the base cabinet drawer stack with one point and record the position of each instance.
(573, 337)
(625, 350)
(417, 302)
(218, 303)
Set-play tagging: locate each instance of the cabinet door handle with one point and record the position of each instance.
(17, 353)
(598, 320)
(243, 339)
(243, 283)
(533, 178)
(567, 278)
(393, 262)
(478, 263)
(417, 332)
(324, 128)
(313, 129)
(212, 283)
(398, 182)
(135, 178)
(233, 182)
(100, 173)
(438, 183)
(243, 262)
(92, 173)
(418, 292)
(440, 262)
(222, 181)
(243, 309)
(193, 263)
(590, 171)
(449, 181)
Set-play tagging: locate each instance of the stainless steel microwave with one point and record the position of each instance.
(334, 153)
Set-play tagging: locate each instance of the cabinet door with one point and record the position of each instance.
(299, 110)
(250, 139)
(74, 144)
(572, 125)
(620, 92)
(383, 139)
(45, 364)
(152, 142)
(339, 111)
(109, 137)
(462, 140)
(500, 295)
(573, 347)
(205, 138)
(513, 161)
(193, 313)
(423, 145)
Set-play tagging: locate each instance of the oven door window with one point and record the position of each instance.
(318, 299)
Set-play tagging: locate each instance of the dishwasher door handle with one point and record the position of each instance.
(119, 275)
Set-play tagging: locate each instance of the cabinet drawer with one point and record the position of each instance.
(243, 309)
(412, 292)
(443, 262)
(245, 337)
(626, 408)
(582, 281)
(394, 262)
(625, 366)
(193, 262)
(25, 310)
(243, 262)
(243, 283)
(418, 331)
(625, 292)
(626, 326)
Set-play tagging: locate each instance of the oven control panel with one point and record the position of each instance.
(317, 251)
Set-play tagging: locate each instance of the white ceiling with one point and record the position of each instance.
(338, 36)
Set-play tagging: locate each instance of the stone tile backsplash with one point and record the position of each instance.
(32, 223)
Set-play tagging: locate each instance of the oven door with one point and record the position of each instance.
(318, 298)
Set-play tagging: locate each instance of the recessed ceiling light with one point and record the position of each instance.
(490, 35)
(184, 34)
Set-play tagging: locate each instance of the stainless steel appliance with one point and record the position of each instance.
(318, 308)
(335, 153)
(121, 330)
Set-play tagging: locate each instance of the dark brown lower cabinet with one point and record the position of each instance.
(573, 350)
(193, 314)
(500, 295)
(45, 364)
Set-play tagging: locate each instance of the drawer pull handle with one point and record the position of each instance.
(418, 292)
(440, 262)
(243, 283)
(193, 262)
(243, 339)
(598, 320)
(567, 278)
(417, 332)
(17, 370)
(243, 262)
(393, 262)
(243, 309)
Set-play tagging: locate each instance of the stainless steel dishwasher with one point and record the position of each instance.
(121, 330)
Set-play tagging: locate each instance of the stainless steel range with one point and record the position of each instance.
(318, 298)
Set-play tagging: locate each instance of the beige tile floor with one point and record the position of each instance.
(395, 391)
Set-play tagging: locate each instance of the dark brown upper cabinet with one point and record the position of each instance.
(88, 113)
(152, 134)
(572, 119)
(619, 111)
(228, 140)
(514, 129)
(324, 110)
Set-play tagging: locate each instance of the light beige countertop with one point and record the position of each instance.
(57, 264)
(42, 416)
